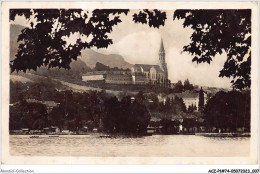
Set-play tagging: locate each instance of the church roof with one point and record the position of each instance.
(148, 67)
(158, 68)
(145, 66)
(161, 47)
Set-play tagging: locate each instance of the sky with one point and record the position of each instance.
(139, 44)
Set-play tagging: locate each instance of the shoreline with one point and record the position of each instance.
(114, 135)
(231, 134)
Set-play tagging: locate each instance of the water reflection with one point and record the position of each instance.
(153, 146)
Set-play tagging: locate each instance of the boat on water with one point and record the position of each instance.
(105, 136)
(147, 134)
(125, 135)
(53, 136)
(34, 136)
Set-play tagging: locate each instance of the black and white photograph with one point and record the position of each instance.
(144, 82)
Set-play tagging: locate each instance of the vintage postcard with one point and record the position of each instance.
(129, 83)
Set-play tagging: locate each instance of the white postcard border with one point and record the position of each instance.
(7, 159)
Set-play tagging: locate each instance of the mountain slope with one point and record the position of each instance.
(15, 30)
(91, 57)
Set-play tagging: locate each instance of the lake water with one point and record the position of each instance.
(153, 146)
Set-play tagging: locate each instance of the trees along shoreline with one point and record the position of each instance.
(229, 111)
(74, 111)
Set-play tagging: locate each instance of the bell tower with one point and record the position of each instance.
(162, 62)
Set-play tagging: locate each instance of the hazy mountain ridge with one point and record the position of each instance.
(15, 30)
(88, 57)
(91, 57)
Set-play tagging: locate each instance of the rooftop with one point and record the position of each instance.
(147, 67)
(47, 103)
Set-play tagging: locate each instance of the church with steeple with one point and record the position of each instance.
(152, 74)
(140, 74)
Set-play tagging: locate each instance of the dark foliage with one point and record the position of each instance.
(43, 90)
(141, 116)
(178, 86)
(187, 85)
(153, 105)
(218, 31)
(169, 126)
(154, 18)
(191, 108)
(228, 110)
(178, 105)
(57, 116)
(201, 100)
(125, 116)
(28, 115)
(111, 114)
(19, 12)
(101, 67)
(140, 98)
(189, 123)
